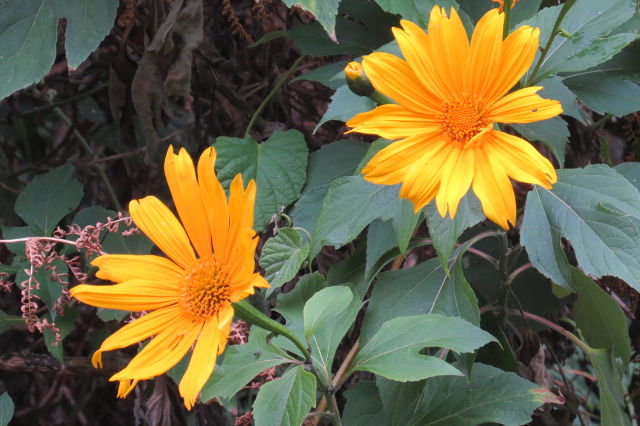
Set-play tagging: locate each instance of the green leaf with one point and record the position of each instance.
(490, 395)
(597, 210)
(399, 400)
(344, 105)
(48, 198)
(278, 165)
(599, 317)
(107, 315)
(28, 32)
(291, 304)
(606, 93)
(330, 75)
(7, 321)
(130, 244)
(349, 206)
(422, 289)
(445, 231)
(404, 223)
(394, 351)
(65, 324)
(351, 270)
(631, 172)
(380, 239)
(415, 10)
(287, 400)
(363, 405)
(554, 133)
(282, 256)
(324, 306)
(325, 12)
(609, 374)
(6, 409)
(242, 363)
(330, 162)
(554, 88)
(590, 25)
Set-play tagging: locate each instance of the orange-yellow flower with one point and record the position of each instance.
(449, 92)
(188, 295)
(513, 3)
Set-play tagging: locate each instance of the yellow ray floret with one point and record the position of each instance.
(449, 92)
(188, 294)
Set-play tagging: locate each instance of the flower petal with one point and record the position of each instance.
(394, 78)
(485, 57)
(520, 160)
(202, 363)
(162, 227)
(457, 174)
(518, 51)
(214, 199)
(138, 330)
(391, 121)
(241, 204)
(134, 295)
(124, 267)
(162, 353)
(493, 187)
(181, 178)
(524, 106)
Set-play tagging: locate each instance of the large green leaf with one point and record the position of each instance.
(415, 10)
(609, 373)
(380, 239)
(351, 204)
(394, 351)
(28, 30)
(344, 105)
(422, 289)
(324, 306)
(605, 93)
(278, 165)
(599, 317)
(590, 25)
(554, 88)
(287, 400)
(242, 363)
(363, 405)
(597, 210)
(330, 162)
(331, 75)
(490, 395)
(48, 198)
(282, 256)
(553, 132)
(6, 409)
(445, 231)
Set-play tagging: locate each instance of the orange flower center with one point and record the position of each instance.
(205, 289)
(461, 121)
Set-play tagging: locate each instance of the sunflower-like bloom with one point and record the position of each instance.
(448, 93)
(188, 295)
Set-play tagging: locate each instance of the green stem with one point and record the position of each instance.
(556, 27)
(379, 98)
(271, 94)
(250, 314)
(507, 17)
(87, 148)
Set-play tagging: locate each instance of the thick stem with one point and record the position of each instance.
(507, 17)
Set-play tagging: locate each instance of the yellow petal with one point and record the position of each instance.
(161, 353)
(394, 78)
(241, 204)
(520, 160)
(125, 387)
(181, 178)
(162, 227)
(493, 187)
(391, 122)
(524, 106)
(124, 267)
(485, 55)
(133, 295)
(215, 201)
(138, 330)
(202, 363)
(457, 174)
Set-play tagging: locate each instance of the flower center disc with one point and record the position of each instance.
(461, 121)
(205, 289)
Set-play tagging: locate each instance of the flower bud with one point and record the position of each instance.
(357, 80)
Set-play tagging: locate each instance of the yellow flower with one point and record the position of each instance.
(513, 3)
(449, 92)
(189, 294)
